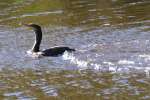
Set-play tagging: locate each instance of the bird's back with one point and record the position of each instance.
(56, 51)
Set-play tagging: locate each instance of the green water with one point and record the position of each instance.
(74, 13)
(72, 85)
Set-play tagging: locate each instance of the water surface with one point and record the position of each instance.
(112, 42)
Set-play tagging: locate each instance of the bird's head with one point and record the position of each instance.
(33, 26)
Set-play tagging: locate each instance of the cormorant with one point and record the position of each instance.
(54, 51)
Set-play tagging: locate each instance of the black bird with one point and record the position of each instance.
(54, 51)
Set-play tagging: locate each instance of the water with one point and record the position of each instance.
(112, 42)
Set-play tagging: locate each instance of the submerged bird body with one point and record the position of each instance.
(54, 51)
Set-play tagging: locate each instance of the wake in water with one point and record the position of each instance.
(83, 64)
(122, 65)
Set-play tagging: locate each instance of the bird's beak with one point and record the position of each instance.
(28, 26)
(25, 24)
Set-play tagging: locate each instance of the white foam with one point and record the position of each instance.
(123, 62)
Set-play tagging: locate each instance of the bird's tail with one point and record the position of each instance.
(70, 49)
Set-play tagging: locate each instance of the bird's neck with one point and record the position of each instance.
(38, 39)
